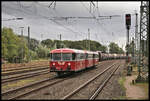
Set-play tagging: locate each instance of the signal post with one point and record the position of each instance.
(128, 24)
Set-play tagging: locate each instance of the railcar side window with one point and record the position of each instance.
(90, 56)
(78, 56)
(81, 56)
(56, 56)
(86, 56)
(73, 56)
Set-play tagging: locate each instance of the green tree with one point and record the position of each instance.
(12, 45)
(114, 48)
(48, 43)
(81, 44)
(42, 51)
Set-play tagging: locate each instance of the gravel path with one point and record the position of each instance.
(132, 91)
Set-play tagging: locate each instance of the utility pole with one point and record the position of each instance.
(29, 42)
(89, 37)
(22, 42)
(41, 37)
(86, 41)
(60, 37)
(60, 42)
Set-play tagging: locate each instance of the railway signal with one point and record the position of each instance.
(128, 21)
(128, 24)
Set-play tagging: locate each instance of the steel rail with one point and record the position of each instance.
(101, 86)
(26, 93)
(86, 83)
(26, 86)
(36, 89)
(30, 85)
(22, 71)
(22, 67)
(10, 79)
(25, 76)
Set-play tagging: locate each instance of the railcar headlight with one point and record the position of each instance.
(69, 64)
(53, 64)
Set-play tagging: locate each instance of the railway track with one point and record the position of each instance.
(19, 71)
(24, 76)
(99, 89)
(31, 88)
(93, 96)
(16, 93)
(21, 91)
(21, 68)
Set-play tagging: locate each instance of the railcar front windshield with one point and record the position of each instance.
(56, 56)
(63, 56)
(66, 56)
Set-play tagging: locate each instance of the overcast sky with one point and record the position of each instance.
(37, 15)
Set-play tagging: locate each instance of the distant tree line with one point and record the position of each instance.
(82, 45)
(114, 48)
(15, 48)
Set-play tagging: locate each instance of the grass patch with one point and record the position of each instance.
(17, 84)
(120, 98)
(121, 82)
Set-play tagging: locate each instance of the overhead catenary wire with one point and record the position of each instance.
(29, 6)
(63, 25)
(97, 20)
(92, 18)
(45, 17)
(60, 24)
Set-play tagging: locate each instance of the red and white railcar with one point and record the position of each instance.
(95, 58)
(71, 60)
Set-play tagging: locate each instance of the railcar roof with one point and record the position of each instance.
(67, 50)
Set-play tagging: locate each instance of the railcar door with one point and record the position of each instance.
(86, 60)
(74, 59)
(94, 59)
(78, 64)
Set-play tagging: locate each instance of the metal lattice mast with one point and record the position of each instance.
(136, 37)
(144, 37)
